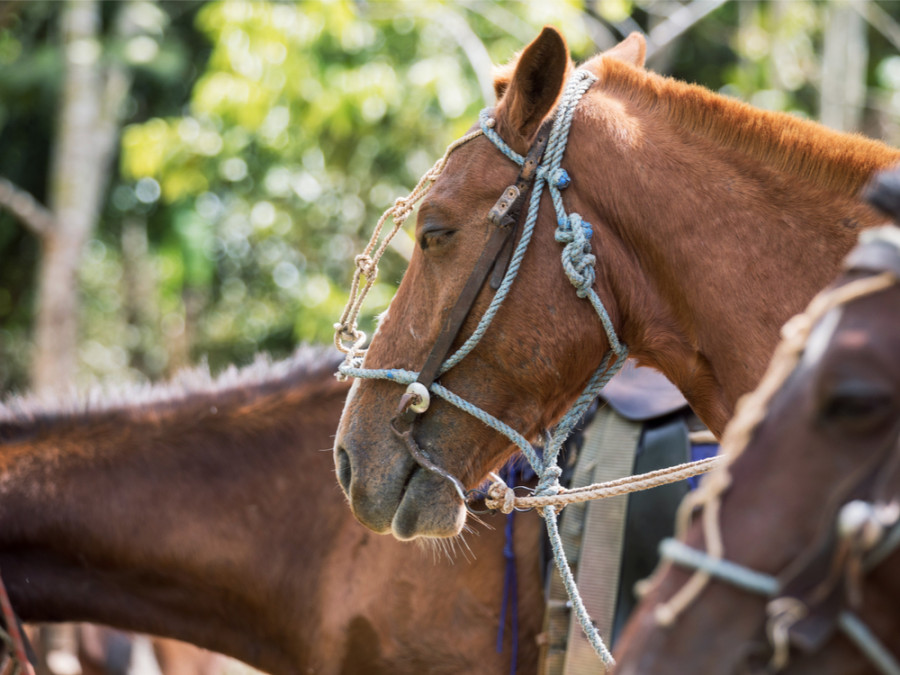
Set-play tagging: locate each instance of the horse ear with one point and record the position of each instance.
(536, 83)
(631, 50)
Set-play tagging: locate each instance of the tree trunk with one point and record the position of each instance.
(844, 62)
(86, 136)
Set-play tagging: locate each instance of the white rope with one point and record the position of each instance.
(503, 498)
(347, 336)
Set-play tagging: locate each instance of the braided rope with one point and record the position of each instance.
(346, 330)
(503, 498)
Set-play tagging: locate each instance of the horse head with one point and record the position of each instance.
(692, 227)
(531, 363)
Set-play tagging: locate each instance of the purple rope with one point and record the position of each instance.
(510, 602)
(701, 451)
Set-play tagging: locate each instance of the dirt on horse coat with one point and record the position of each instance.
(207, 511)
(713, 222)
(829, 436)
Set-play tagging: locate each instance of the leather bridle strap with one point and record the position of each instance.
(503, 219)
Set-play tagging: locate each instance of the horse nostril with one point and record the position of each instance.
(344, 470)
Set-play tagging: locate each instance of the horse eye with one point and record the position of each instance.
(856, 403)
(435, 234)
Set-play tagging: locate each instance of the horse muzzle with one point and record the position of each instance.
(390, 492)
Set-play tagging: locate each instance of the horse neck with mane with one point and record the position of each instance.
(713, 222)
(829, 436)
(207, 511)
(722, 221)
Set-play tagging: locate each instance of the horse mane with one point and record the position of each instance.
(307, 365)
(826, 158)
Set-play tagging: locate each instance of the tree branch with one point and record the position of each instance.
(31, 213)
(473, 49)
(683, 18)
(880, 20)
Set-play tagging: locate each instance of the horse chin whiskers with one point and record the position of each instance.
(449, 548)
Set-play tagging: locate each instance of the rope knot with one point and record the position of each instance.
(346, 333)
(577, 258)
(348, 339)
(367, 265)
(503, 497)
(549, 483)
(500, 496)
(400, 210)
(560, 179)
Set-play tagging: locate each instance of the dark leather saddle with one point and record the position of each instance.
(640, 394)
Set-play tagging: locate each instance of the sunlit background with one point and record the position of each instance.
(254, 144)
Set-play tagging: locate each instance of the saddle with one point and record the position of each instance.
(640, 423)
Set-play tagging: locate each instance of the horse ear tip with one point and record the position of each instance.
(632, 49)
(638, 37)
(550, 32)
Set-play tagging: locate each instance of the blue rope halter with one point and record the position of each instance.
(768, 586)
(578, 263)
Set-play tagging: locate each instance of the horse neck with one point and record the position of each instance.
(178, 518)
(722, 222)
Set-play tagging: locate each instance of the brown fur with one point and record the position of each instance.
(801, 465)
(208, 512)
(784, 143)
(713, 223)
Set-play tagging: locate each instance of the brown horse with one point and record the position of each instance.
(713, 223)
(813, 499)
(207, 511)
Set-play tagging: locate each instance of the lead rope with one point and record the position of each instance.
(12, 636)
(509, 603)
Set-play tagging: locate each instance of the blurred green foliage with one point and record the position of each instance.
(307, 122)
(263, 139)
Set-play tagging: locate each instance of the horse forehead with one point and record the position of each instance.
(475, 171)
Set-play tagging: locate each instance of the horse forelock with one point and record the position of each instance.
(808, 150)
(306, 365)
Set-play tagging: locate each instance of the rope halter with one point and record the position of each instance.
(578, 264)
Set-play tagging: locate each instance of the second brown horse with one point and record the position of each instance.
(207, 511)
